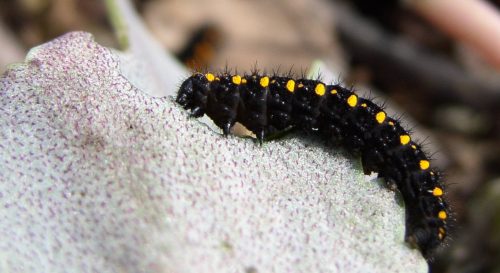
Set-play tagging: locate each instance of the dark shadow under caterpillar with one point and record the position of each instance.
(269, 104)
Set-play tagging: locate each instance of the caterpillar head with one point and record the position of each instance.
(194, 91)
(185, 96)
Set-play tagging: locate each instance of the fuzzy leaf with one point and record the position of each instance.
(98, 176)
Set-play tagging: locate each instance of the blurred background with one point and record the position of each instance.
(438, 62)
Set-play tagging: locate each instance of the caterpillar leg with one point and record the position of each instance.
(197, 112)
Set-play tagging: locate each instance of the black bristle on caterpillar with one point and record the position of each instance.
(270, 104)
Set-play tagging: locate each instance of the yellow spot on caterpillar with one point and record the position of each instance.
(333, 91)
(243, 81)
(432, 173)
(380, 117)
(442, 215)
(414, 147)
(441, 233)
(210, 77)
(364, 105)
(320, 89)
(437, 192)
(352, 100)
(273, 81)
(264, 81)
(236, 79)
(391, 123)
(404, 139)
(424, 164)
(290, 85)
(300, 85)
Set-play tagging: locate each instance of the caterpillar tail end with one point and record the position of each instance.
(424, 240)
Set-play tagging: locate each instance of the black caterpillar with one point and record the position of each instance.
(270, 104)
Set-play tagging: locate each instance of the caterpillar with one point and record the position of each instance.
(270, 104)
